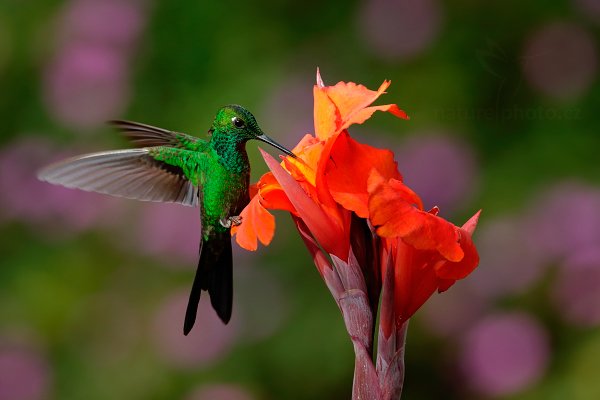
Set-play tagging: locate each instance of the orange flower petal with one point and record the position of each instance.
(415, 279)
(350, 98)
(435, 233)
(272, 195)
(309, 153)
(325, 230)
(257, 224)
(348, 169)
(383, 196)
(462, 268)
(393, 212)
(253, 189)
(346, 103)
(361, 116)
(324, 114)
(321, 193)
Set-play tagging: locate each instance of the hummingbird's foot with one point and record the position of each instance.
(234, 220)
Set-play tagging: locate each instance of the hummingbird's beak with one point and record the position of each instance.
(266, 139)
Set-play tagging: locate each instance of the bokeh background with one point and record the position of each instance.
(503, 98)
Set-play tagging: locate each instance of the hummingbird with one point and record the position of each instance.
(168, 166)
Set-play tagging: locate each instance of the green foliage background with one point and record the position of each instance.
(193, 57)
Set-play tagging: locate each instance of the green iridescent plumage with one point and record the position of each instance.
(174, 167)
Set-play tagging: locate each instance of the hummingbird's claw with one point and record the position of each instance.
(234, 220)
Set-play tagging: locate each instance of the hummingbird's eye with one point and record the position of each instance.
(238, 122)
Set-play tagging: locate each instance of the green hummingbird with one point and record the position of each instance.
(169, 166)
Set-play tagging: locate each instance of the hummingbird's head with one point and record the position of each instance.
(239, 123)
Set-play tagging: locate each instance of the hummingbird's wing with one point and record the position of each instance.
(133, 174)
(142, 135)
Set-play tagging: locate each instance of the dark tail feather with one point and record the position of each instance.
(194, 300)
(220, 287)
(215, 274)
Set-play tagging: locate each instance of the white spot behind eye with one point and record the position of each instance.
(238, 122)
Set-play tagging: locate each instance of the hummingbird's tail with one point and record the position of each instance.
(214, 274)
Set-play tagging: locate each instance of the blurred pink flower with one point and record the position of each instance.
(560, 60)
(564, 219)
(206, 344)
(86, 85)
(19, 189)
(509, 263)
(25, 198)
(505, 354)
(103, 22)
(589, 8)
(399, 29)
(220, 392)
(577, 288)
(441, 168)
(168, 231)
(451, 313)
(24, 373)
(87, 81)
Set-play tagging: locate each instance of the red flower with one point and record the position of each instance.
(336, 108)
(420, 273)
(364, 228)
